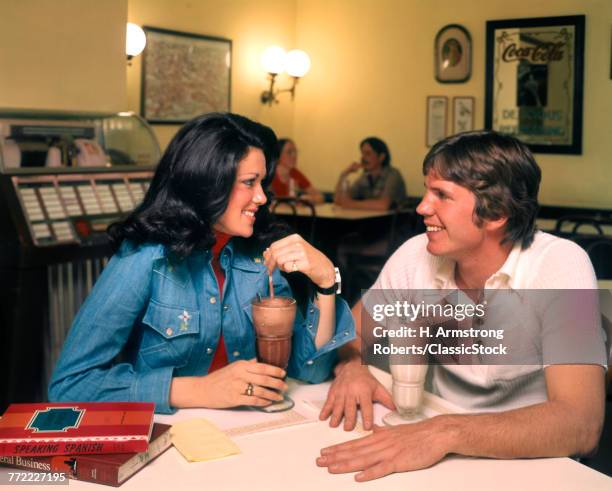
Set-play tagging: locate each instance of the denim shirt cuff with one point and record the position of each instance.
(315, 365)
(345, 328)
(154, 386)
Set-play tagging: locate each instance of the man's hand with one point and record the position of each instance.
(400, 448)
(354, 386)
(353, 167)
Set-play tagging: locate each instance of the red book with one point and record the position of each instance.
(109, 469)
(75, 428)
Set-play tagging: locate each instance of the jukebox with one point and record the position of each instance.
(64, 177)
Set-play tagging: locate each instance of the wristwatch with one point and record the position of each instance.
(335, 288)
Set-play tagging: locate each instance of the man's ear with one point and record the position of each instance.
(496, 224)
(381, 157)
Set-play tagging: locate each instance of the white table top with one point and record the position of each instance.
(330, 210)
(284, 459)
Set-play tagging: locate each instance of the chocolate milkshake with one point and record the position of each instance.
(273, 320)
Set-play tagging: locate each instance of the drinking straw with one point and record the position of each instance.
(271, 286)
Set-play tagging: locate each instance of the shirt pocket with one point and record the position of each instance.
(170, 335)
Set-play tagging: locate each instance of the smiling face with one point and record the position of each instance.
(372, 161)
(288, 155)
(448, 212)
(246, 197)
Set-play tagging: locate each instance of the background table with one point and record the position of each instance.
(332, 211)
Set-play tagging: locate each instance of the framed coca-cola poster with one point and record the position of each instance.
(534, 81)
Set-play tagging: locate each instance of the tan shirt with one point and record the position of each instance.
(389, 183)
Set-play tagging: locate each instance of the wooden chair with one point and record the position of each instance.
(303, 223)
(574, 224)
(600, 252)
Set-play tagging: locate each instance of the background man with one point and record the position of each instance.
(380, 185)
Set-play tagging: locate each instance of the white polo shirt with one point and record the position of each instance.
(549, 263)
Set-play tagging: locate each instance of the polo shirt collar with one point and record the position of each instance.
(444, 276)
(510, 266)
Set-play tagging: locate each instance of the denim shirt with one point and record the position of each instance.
(149, 319)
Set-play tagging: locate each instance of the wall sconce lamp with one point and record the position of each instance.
(135, 41)
(275, 60)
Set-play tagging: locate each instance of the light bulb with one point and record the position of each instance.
(298, 63)
(135, 40)
(273, 59)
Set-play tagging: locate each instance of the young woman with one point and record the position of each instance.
(288, 181)
(169, 320)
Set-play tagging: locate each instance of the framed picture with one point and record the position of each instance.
(437, 109)
(463, 114)
(453, 54)
(184, 75)
(534, 81)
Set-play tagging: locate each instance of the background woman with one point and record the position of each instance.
(288, 181)
(169, 320)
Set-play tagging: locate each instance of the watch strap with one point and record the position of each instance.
(335, 288)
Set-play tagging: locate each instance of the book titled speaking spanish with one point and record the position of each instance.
(109, 469)
(76, 428)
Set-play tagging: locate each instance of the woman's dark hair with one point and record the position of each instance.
(379, 147)
(500, 171)
(281, 144)
(192, 184)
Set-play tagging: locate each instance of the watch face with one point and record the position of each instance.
(338, 281)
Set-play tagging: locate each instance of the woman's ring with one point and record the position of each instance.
(249, 389)
(294, 267)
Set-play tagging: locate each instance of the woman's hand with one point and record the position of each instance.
(228, 386)
(293, 254)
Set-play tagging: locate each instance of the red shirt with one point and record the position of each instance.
(220, 357)
(281, 189)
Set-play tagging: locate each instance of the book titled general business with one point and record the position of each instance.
(76, 428)
(109, 469)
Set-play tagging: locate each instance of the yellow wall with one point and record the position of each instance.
(63, 54)
(252, 25)
(373, 69)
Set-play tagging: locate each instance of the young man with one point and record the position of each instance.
(479, 208)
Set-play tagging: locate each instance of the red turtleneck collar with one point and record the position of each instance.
(221, 239)
(220, 357)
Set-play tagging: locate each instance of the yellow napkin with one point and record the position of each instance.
(199, 440)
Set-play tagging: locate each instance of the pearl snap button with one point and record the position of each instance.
(236, 353)
(213, 300)
(169, 331)
(209, 351)
(309, 362)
